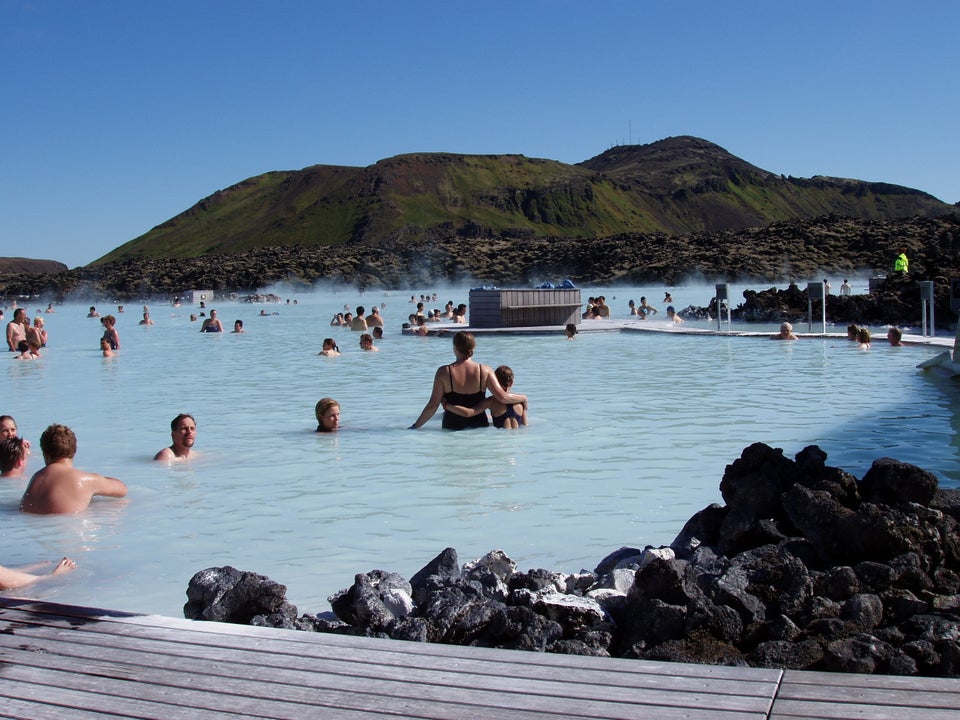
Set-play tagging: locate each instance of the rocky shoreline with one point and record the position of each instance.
(833, 246)
(803, 567)
(894, 301)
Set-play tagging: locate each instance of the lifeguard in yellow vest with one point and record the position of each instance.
(901, 264)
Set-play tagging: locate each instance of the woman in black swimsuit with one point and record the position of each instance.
(464, 382)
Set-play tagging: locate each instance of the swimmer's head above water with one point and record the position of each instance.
(328, 415)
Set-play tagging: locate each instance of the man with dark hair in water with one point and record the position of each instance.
(17, 329)
(13, 456)
(183, 432)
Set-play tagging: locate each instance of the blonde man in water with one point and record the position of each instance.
(60, 487)
(183, 432)
(786, 332)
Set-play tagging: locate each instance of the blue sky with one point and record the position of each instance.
(118, 115)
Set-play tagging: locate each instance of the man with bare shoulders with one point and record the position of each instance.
(375, 319)
(17, 329)
(183, 432)
(59, 487)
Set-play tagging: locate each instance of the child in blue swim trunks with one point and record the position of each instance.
(509, 417)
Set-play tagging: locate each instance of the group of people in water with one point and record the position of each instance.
(855, 333)
(110, 340)
(861, 336)
(24, 338)
(59, 487)
(471, 395)
(597, 309)
(460, 388)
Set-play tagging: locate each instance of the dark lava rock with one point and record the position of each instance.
(803, 567)
(225, 594)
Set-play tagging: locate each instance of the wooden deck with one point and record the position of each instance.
(59, 661)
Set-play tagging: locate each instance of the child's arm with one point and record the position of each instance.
(466, 411)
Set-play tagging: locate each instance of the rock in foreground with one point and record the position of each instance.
(803, 567)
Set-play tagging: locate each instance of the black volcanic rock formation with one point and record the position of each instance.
(802, 567)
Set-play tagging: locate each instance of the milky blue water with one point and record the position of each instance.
(629, 436)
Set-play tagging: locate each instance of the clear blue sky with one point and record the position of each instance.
(118, 115)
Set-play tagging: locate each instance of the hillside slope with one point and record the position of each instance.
(677, 185)
(15, 266)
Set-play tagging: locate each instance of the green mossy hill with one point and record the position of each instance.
(832, 246)
(673, 186)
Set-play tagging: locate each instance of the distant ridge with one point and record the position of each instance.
(673, 186)
(28, 266)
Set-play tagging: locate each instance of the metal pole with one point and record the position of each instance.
(926, 300)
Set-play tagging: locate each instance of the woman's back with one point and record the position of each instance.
(464, 378)
(464, 386)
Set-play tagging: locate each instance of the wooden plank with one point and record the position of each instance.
(545, 305)
(323, 643)
(820, 679)
(793, 709)
(257, 666)
(60, 701)
(302, 678)
(449, 671)
(840, 695)
(239, 669)
(18, 709)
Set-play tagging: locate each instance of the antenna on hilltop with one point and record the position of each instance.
(630, 131)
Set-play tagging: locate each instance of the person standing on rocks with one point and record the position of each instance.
(845, 289)
(902, 264)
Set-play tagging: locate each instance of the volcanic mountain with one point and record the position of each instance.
(674, 186)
